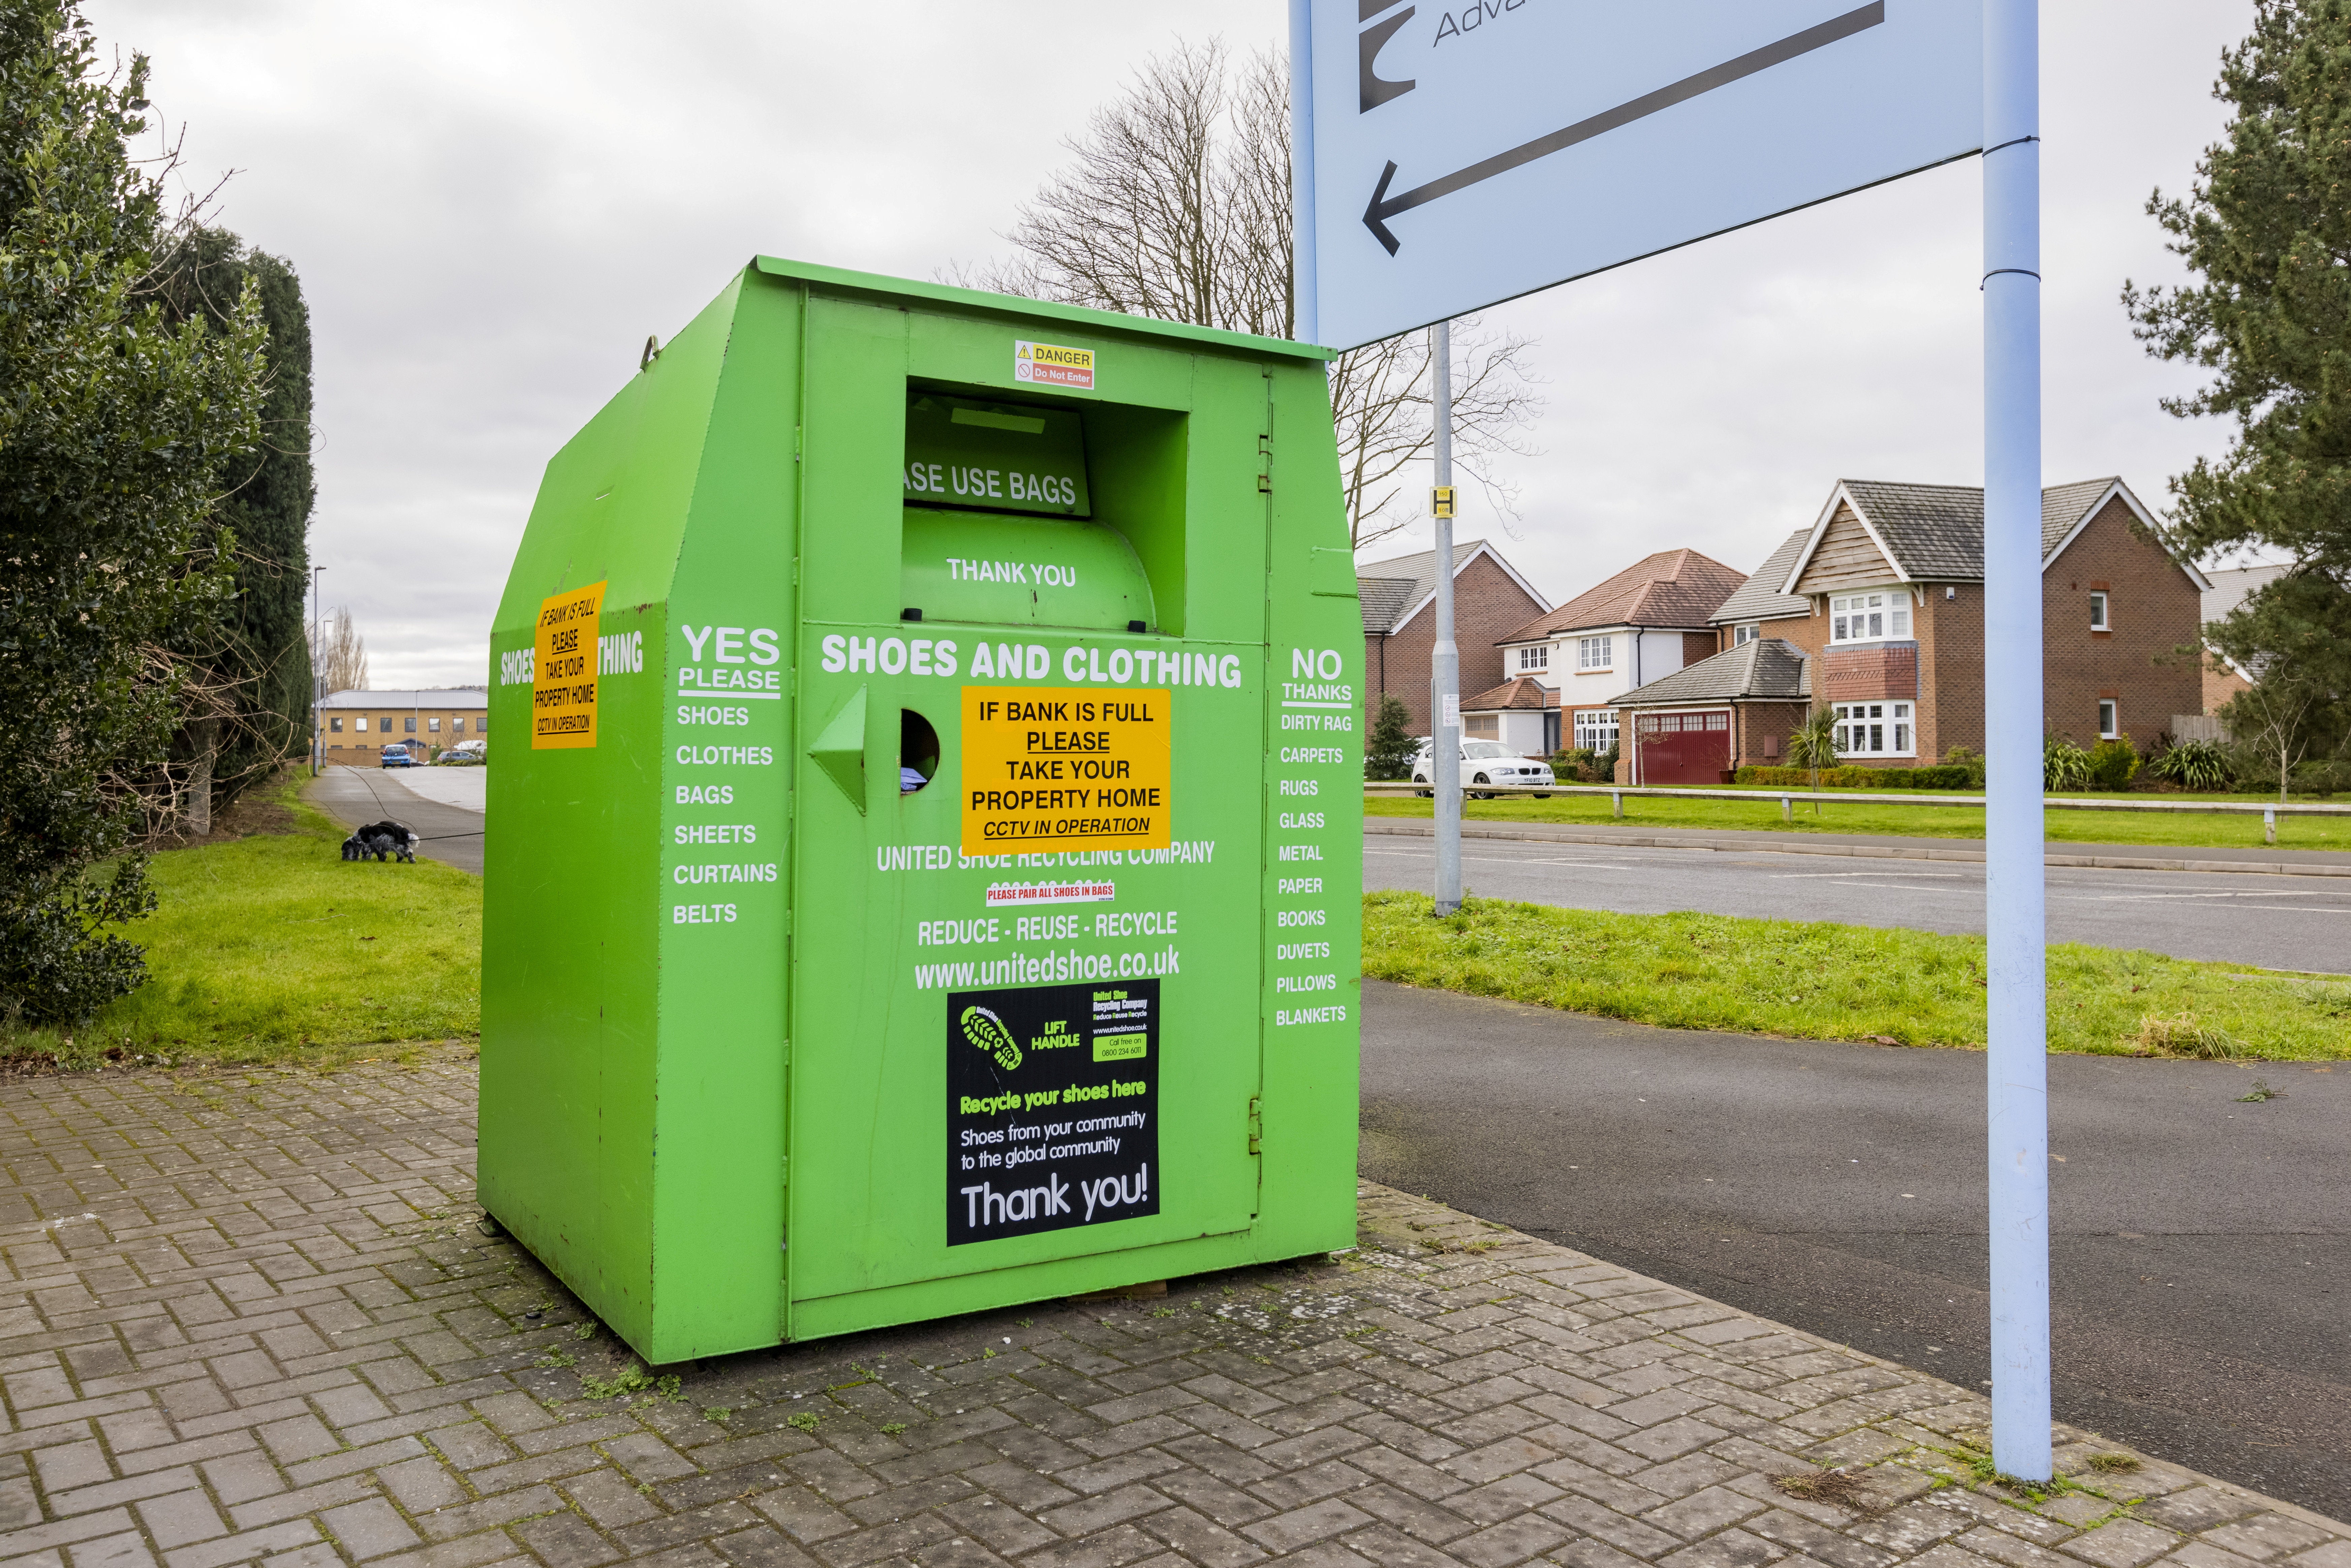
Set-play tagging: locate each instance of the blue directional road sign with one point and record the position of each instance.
(1466, 152)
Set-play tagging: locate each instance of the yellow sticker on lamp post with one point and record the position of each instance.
(1064, 768)
(563, 671)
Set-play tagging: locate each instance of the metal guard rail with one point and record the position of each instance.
(1787, 796)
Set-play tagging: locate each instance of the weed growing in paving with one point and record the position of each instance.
(2113, 1463)
(1843, 1487)
(1817, 980)
(806, 1421)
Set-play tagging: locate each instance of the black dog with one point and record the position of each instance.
(382, 840)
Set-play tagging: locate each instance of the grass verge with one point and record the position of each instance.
(1815, 980)
(272, 947)
(2186, 828)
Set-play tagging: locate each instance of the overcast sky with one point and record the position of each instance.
(492, 204)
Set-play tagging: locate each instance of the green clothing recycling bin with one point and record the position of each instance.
(924, 859)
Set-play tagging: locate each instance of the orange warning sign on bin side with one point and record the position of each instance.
(563, 670)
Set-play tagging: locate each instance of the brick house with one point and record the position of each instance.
(355, 727)
(2223, 676)
(1692, 727)
(1647, 620)
(1882, 597)
(1399, 599)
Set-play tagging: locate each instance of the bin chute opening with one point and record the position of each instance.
(918, 751)
(999, 456)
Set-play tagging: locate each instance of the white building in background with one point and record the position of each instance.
(1563, 671)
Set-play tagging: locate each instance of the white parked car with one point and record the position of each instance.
(1488, 762)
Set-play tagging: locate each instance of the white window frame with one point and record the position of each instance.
(360, 724)
(1535, 658)
(2110, 718)
(1877, 728)
(2101, 614)
(1594, 656)
(1594, 729)
(1743, 635)
(1872, 615)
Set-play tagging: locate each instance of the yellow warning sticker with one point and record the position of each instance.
(1064, 768)
(1053, 365)
(562, 672)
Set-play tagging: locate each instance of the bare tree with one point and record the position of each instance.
(2273, 718)
(1177, 206)
(340, 655)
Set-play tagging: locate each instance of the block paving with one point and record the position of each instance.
(247, 1316)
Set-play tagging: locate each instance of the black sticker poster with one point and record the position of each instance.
(1052, 1108)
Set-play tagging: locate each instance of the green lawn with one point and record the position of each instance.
(273, 947)
(2199, 828)
(1818, 981)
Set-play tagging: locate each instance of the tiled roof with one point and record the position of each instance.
(1524, 692)
(1759, 598)
(431, 697)
(2062, 506)
(1391, 588)
(1765, 669)
(1935, 532)
(1671, 587)
(2233, 586)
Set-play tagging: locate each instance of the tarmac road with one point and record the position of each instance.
(2201, 1275)
(2277, 922)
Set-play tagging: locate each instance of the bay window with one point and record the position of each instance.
(1875, 729)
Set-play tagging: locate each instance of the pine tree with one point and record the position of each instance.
(1388, 750)
(2267, 228)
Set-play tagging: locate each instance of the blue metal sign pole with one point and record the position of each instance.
(2018, 1063)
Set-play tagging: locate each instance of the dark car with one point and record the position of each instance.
(397, 756)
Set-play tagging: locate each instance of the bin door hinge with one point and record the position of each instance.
(784, 1170)
(796, 444)
(1256, 1126)
(1265, 465)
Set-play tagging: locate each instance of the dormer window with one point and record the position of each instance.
(1869, 617)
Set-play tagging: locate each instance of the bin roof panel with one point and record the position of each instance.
(1077, 315)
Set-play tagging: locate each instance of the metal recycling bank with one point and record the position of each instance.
(935, 903)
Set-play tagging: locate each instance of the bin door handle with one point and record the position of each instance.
(839, 749)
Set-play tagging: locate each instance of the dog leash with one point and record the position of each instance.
(422, 839)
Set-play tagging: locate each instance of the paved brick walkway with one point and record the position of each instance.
(245, 1317)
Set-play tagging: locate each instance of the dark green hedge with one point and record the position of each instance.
(1941, 776)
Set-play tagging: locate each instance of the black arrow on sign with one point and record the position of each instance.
(1384, 206)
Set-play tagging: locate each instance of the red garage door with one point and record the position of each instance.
(1683, 747)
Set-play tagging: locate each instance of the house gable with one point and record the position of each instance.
(2117, 498)
(1844, 553)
